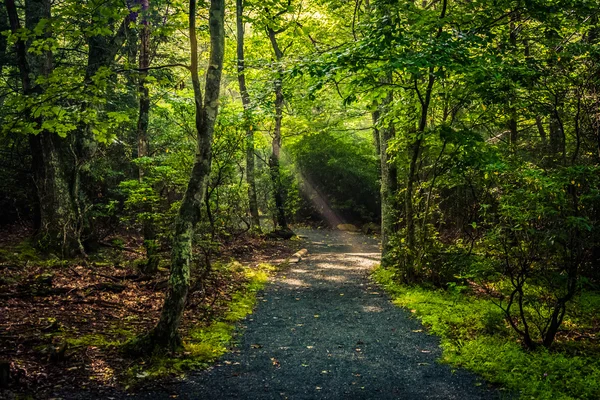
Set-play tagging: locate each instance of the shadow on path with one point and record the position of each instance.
(322, 330)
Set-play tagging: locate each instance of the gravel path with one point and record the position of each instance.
(323, 330)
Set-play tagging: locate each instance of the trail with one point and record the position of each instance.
(323, 330)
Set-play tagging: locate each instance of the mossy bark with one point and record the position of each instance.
(250, 176)
(57, 231)
(274, 165)
(165, 335)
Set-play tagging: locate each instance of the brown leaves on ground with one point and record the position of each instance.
(61, 322)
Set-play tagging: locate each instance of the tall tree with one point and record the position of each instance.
(274, 159)
(165, 334)
(250, 175)
(143, 140)
(57, 230)
(389, 178)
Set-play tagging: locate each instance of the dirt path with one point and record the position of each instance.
(322, 330)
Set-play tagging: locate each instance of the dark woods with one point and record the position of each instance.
(468, 131)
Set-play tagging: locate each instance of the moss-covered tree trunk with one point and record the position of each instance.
(274, 166)
(57, 226)
(250, 175)
(165, 335)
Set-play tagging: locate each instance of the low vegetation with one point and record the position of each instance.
(475, 335)
(146, 138)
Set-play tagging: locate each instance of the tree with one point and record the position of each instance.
(165, 334)
(250, 175)
(56, 225)
(274, 160)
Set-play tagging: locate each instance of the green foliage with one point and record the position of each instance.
(537, 232)
(339, 171)
(475, 336)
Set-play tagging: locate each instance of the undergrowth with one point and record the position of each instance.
(206, 344)
(474, 335)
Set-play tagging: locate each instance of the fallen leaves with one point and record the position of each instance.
(95, 307)
(275, 362)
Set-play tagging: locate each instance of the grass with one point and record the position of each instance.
(206, 344)
(474, 336)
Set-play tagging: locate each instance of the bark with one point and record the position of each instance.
(375, 116)
(389, 182)
(102, 50)
(4, 26)
(143, 141)
(276, 144)
(250, 175)
(557, 135)
(57, 231)
(165, 335)
(143, 145)
(512, 111)
(541, 130)
(4, 59)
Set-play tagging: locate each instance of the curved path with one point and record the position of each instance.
(322, 330)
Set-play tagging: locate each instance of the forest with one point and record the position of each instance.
(163, 161)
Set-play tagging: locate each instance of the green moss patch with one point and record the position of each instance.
(205, 344)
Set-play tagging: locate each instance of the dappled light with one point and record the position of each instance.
(299, 199)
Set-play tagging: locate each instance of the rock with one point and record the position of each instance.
(347, 228)
(297, 256)
(370, 228)
(282, 234)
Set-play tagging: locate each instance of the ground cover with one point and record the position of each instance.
(476, 336)
(62, 323)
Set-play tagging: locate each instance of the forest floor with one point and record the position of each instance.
(61, 322)
(324, 330)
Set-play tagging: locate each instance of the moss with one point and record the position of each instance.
(475, 336)
(27, 252)
(22, 252)
(206, 344)
(116, 336)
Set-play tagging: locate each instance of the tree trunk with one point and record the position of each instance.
(4, 26)
(512, 111)
(58, 231)
(250, 176)
(540, 126)
(143, 92)
(389, 182)
(165, 335)
(274, 165)
(414, 148)
(102, 50)
(143, 141)
(557, 135)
